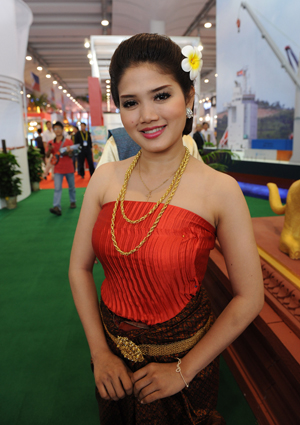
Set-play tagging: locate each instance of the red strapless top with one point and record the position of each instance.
(156, 282)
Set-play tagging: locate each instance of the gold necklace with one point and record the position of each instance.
(148, 196)
(169, 193)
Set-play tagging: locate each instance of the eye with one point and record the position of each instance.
(129, 103)
(162, 96)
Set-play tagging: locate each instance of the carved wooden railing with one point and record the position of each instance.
(265, 359)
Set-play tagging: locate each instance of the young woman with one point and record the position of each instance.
(152, 220)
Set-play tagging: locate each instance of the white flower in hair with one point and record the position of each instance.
(193, 62)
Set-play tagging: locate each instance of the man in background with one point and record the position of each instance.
(40, 144)
(198, 137)
(208, 134)
(75, 155)
(83, 138)
(63, 167)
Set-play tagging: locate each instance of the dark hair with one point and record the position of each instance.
(83, 123)
(47, 122)
(75, 126)
(156, 49)
(59, 124)
(39, 130)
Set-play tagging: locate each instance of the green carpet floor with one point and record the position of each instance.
(44, 357)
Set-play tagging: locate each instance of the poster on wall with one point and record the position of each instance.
(255, 95)
(99, 137)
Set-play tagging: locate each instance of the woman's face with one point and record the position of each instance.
(152, 107)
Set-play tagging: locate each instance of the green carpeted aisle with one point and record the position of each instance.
(44, 358)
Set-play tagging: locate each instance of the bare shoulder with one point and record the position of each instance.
(216, 193)
(107, 176)
(218, 183)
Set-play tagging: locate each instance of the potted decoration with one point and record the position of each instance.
(219, 159)
(35, 167)
(10, 183)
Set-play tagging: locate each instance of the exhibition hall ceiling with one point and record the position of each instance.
(59, 30)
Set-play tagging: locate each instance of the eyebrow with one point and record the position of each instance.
(125, 96)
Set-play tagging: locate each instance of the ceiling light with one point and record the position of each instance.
(28, 95)
(28, 58)
(60, 87)
(91, 62)
(216, 75)
(71, 97)
(104, 22)
(48, 76)
(21, 92)
(68, 94)
(33, 123)
(207, 25)
(200, 47)
(107, 81)
(64, 90)
(89, 55)
(30, 128)
(200, 101)
(108, 90)
(54, 82)
(207, 98)
(108, 86)
(39, 68)
(87, 44)
(216, 116)
(200, 119)
(206, 80)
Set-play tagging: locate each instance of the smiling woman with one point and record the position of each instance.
(153, 109)
(154, 341)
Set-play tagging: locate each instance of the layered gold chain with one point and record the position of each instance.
(148, 196)
(168, 194)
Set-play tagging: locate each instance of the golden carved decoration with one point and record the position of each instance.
(290, 235)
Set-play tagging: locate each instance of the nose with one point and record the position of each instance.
(148, 113)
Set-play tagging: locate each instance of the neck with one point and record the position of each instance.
(59, 138)
(155, 163)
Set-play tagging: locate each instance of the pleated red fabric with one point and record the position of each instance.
(156, 282)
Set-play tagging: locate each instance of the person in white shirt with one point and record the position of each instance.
(48, 135)
(208, 134)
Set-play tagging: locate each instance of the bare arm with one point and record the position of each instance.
(236, 238)
(109, 370)
(234, 231)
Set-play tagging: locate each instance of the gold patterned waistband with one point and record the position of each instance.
(136, 353)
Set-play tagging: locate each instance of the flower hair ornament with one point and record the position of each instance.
(192, 62)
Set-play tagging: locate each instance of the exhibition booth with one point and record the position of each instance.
(254, 114)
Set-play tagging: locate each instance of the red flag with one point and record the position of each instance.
(224, 140)
(240, 73)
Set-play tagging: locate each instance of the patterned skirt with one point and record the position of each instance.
(191, 406)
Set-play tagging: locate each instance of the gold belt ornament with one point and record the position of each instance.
(136, 353)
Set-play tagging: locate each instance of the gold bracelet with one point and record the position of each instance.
(178, 369)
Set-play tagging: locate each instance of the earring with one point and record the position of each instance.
(189, 113)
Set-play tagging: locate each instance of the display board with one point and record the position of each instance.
(254, 92)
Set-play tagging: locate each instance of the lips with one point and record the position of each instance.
(153, 129)
(153, 132)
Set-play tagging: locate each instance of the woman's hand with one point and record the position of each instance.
(155, 381)
(112, 376)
